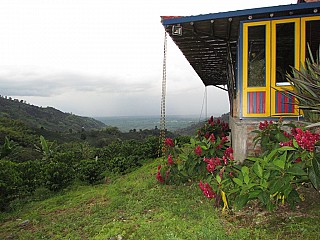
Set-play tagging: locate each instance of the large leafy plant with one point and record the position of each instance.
(271, 179)
(306, 87)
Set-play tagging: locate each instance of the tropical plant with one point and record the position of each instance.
(306, 87)
(45, 148)
(271, 179)
(6, 148)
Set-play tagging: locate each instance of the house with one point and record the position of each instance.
(248, 53)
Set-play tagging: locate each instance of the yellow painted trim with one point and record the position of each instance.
(274, 87)
(245, 87)
(303, 36)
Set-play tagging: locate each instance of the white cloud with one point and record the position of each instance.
(97, 57)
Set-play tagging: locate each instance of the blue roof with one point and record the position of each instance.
(206, 40)
(239, 13)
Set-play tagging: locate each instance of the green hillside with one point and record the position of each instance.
(47, 118)
(135, 206)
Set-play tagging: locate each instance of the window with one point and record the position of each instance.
(313, 38)
(257, 56)
(285, 51)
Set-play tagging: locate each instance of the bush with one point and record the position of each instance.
(57, 175)
(271, 179)
(91, 171)
(31, 174)
(123, 165)
(10, 182)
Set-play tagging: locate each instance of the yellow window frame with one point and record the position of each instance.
(274, 87)
(245, 87)
(304, 20)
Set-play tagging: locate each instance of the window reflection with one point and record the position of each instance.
(285, 51)
(257, 56)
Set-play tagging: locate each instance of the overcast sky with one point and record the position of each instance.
(103, 57)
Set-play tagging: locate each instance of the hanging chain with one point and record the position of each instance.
(163, 98)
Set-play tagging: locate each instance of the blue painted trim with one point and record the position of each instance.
(239, 13)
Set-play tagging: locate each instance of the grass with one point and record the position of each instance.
(135, 206)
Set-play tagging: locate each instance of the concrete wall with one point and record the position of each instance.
(242, 138)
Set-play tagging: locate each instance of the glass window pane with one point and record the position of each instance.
(256, 56)
(313, 38)
(285, 51)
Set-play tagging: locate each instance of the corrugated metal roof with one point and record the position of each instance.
(205, 39)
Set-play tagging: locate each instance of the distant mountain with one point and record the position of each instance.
(193, 129)
(47, 118)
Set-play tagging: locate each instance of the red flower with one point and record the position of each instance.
(169, 142)
(207, 190)
(298, 160)
(263, 125)
(225, 160)
(158, 176)
(212, 163)
(306, 140)
(212, 138)
(228, 153)
(289, 143)
(170, 161)
(198, 150)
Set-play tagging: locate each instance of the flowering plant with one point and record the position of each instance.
(272, 178)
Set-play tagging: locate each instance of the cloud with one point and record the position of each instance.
(31, 81)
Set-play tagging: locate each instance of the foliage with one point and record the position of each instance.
(10, 181)
(57, 175)
(47, 118)
(31, 174)
(91, 171)
(270, 134)
(6, 148)
(306, 85)
(134, 207)
(272, 179)
(123, 165)
(45, 148)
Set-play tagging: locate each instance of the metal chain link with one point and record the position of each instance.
(163, 98)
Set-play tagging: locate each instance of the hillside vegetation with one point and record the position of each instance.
(47, 118)
(134, 206)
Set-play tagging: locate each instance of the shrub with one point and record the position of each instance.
(31, 174)
(123, 165)
(271, 179)
(90, 171)
(10, 182)
(57, 175)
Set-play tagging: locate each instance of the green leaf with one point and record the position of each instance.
(279, 162)
(295, 144)
(257, 169)
(254, 159)
(218, 178)
(296, 170)
(240, 201)
(245, 170)
(286, 148)
(275, 186)
(193, 142)
(316, 164)
(254, 194)
(271, 155)
(315, 180)
(246, 179)
(238, 181)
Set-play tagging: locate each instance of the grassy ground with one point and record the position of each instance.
(136, 207)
